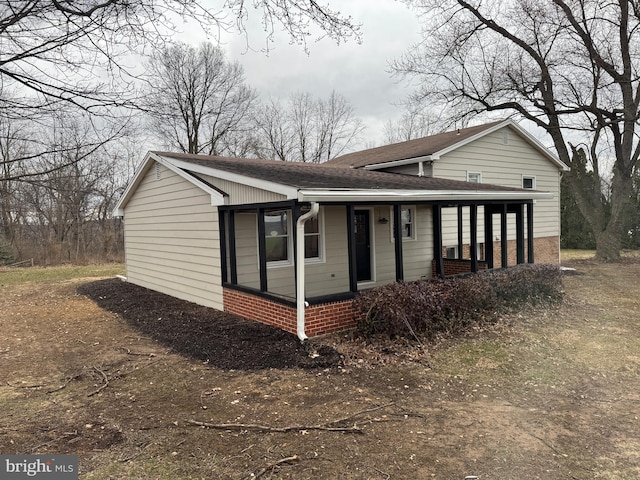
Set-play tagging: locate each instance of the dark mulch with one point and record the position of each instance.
(225, 341)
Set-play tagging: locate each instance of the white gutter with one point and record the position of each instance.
(300, 295)
(337, 196)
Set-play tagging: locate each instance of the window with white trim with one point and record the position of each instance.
(407, 223)
(474, 177)
(529, 182)
(312, 238)
(278, 224)
(277, 227)
(406, 219)
(451, 252)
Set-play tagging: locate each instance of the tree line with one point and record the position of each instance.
(74, 115)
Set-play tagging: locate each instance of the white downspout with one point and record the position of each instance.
(300, 295)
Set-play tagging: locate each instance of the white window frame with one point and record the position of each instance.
(455, 252)
(414, 235)
(472, 173)
(533, 181)
(321, 252)
(289, 261)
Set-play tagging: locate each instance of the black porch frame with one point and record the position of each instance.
(491, 208)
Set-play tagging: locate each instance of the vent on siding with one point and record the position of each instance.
(505, 137)
(158, 171)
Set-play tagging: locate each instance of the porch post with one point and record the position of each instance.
(460, 255)
(296, 211)
(504, 259)
(232, 247)
(397, 228)
(519, 234)
(222, 229)
(437, 239)
(488, 235)
(530, 232)
(473, 244)
(351, 250)
(262, 250)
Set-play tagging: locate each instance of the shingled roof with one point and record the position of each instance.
(419, 147)
(319, 176)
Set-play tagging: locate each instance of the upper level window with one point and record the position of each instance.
(529, 182)
(474, 177)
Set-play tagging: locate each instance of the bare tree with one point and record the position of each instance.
(308, 129)
(52, 48)
(64, 212)
(415, 123)
(568, 66)
(197, 100)
(61, 53)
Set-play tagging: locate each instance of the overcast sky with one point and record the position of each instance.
(359, 72)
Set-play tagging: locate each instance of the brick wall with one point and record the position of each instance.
(455, 266)
(319, 319)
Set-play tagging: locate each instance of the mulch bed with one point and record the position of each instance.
(223, 340)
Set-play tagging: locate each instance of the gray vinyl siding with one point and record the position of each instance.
(502, 164)
(331, 274)
(172, 241)
(327, 276)
(416, 253)
(239, 194)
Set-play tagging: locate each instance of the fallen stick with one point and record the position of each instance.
(264, 428)
(129, 352)
(273, 465)
(64, 385)
(101, 387)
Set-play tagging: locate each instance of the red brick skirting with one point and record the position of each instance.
(455, 266)
(319, 319)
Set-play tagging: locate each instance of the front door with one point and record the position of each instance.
(363, 245)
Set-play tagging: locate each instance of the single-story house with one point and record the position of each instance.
(290, 244)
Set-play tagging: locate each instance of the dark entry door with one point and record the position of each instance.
(363, 245)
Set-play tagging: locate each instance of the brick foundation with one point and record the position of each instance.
(455, 266)
(335, 316)
(545, 250)
(319, 319)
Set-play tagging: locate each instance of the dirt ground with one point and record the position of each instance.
(124, 377)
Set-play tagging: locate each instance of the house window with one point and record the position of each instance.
(276, 223)
(528, 182)
(311, 236)
(452, 252)
(407, 223)
(474, 177)
(406, 219)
